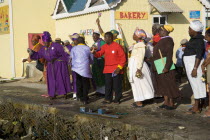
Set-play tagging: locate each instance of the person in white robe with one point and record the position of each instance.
(193, 58)
(139, 73)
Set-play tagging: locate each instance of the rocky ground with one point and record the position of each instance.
(174, 124)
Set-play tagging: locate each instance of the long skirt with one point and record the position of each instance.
(198, 86)
(142, 87)
(58, 80)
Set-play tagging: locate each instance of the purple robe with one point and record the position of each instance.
(58, 80)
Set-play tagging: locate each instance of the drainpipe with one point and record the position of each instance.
(112, 19)
(12, 39)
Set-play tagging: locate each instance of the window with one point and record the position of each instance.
(160, 19)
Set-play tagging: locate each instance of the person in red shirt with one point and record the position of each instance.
(115, 60)
(155, 32)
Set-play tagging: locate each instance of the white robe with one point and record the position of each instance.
(198, 87)
(142, 87)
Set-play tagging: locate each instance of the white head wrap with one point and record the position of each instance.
(197, 26)
(96, 32)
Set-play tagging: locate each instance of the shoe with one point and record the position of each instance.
(66, 96)
(52, 97)
(106, 102)
(162, 106)
(170, 108)
(75, 96)
(137, 106)
(85, 102)
(116, 102)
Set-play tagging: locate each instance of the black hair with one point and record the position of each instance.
(81, 40)
(109, 34)
(208, 32)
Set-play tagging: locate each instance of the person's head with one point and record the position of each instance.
(35, 39)
(207, 35)
(96, 36)
(184, 42)
(155, 28)
(74, 38)
(196, 27)
(108, 37)
(115, 33)
(139, 34)
(46, 38)
(81, 40)
(66, 43)
(165, 30)
(58, 40)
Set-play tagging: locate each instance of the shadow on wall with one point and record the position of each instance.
(177, 18)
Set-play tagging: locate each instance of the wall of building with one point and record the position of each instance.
(30, 16)
(71, 25)
(180, 21)
(5, 55)
(129, 26)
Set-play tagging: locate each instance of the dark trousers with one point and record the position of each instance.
(179, 73)
(83, 86)
(113, 84)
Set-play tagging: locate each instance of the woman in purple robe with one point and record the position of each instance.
(57, 66)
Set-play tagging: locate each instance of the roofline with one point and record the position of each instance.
(205, 4)
(85, 11)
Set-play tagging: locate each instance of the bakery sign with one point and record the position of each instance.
(131, 15)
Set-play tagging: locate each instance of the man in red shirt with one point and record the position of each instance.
(115, 60)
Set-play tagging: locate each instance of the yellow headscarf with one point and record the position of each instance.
(168, 28)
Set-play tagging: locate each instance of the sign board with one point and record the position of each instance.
(30, 35)
(195, 14)
(87, 32)
(131, 15)
(4, 20)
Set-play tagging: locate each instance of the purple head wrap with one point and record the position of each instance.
(46, 37)
(75, 36)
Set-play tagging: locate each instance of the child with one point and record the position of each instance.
(179, 62)
(206, 65)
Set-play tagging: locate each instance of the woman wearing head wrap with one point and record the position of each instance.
(139, 73)
(74, 38)
(193, 57)
(165, 84)
(155, 32)
(57, 66)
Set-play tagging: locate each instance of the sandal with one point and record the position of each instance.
(169, 107)
(193, 112)
(106, 102)
(162, 106)
(137, 106)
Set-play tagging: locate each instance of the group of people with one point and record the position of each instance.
(112, 67)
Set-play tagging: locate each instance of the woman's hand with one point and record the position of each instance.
(165, 70)
(138, 73)
(194, 73)
(29, 51)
